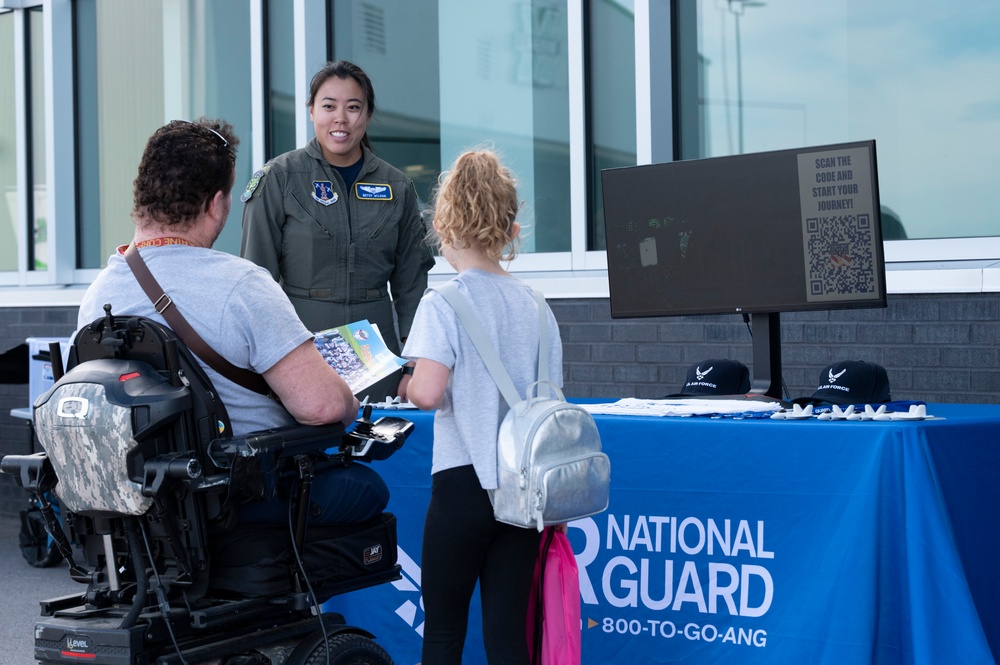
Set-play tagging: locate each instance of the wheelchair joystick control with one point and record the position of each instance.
(110, 337)
(363, 425)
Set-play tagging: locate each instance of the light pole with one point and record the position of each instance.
(737, 8)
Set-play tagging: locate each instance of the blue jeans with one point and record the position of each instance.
(339, 495)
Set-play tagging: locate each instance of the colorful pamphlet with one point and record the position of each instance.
(358, 353)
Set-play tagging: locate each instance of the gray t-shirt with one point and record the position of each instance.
(236, 307)
(466, 425)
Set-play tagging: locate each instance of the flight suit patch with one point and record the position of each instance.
(252, 185)
(373, 192)
(323, 192)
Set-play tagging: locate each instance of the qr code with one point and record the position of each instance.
(840, 256)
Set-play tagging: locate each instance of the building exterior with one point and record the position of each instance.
(563, 89)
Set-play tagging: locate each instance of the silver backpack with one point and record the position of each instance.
(550, 468)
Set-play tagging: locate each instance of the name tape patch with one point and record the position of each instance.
(373, 192)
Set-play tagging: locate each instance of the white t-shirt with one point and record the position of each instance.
(466, 425)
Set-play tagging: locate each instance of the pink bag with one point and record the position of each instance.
(554, 621)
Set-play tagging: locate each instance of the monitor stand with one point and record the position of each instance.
(765, 329)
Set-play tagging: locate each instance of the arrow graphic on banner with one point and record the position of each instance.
(409, 582)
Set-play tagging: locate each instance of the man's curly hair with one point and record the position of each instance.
(183, 166)
(476, 205)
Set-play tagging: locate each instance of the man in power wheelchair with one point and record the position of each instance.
(139, 450)
(210, 516)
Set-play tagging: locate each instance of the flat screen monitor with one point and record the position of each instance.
(762, 233)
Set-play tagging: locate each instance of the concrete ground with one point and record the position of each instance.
(21, 589)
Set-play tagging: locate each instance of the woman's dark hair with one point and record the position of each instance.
(183, 166)
(343, 69)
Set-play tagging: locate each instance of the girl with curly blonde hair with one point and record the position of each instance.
(475, 221)
(476, 205)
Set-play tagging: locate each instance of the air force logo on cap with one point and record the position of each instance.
(719, 376)
(850, 382)
(373, 192)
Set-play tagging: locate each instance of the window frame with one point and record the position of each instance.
(21, 209)
(913, 266)
(57, 116)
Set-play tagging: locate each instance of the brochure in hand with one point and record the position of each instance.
(358, 353)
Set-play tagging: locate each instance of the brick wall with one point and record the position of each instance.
(936, 348)
(16, 325)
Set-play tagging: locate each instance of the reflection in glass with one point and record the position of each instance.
(9, 226)
(782, 74)
(38, 246)
(405, 130)
(610, 35)
(140, 65)
(280, 78)
(485, 73)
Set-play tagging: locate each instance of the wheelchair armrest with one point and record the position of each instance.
(280, 442)
(367, 441)
(32, 472)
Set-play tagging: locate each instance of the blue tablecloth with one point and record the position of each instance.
(760, 541)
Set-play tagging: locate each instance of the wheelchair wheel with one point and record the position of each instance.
(37, 546)
(348, 649)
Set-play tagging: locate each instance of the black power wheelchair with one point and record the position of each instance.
(139, 450)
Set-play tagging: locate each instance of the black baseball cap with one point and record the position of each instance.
(718, 376)
(850, 382)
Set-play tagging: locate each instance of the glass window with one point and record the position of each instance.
(452, 75)
(913, 76)
(611, 100)
(280, 81)
(8, 148)
(140, 65)
(38, 246)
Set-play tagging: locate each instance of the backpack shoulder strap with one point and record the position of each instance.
(543, 336)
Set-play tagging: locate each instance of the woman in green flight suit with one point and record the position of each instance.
(335, 224)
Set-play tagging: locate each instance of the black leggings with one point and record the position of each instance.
(463, 544)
